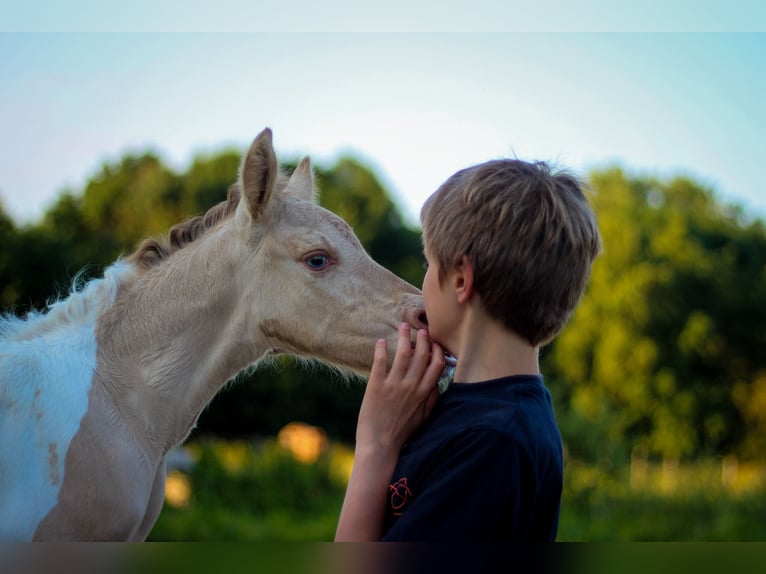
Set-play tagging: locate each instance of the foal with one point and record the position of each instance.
(95, 392)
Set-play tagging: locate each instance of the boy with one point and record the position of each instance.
(509, 246)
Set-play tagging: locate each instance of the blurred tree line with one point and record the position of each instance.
(665, 352)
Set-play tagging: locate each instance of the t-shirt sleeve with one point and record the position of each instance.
(472, 492)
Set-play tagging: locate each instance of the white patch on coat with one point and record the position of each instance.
(46, 370)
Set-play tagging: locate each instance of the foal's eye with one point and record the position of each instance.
(317, 261)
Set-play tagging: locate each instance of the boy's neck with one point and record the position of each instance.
(487, 350)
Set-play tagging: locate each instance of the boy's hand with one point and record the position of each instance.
(396, 402)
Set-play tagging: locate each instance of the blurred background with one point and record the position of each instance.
(659, 379)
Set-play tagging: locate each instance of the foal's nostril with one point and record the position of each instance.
(416, 316)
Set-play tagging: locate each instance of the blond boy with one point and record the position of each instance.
(509, 246)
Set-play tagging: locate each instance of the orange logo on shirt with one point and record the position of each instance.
(400, 495)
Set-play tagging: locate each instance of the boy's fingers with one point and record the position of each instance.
(403, 351)
(420, 356)
(379, 359)
(435, 366)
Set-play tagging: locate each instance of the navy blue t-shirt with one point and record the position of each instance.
(486, 465)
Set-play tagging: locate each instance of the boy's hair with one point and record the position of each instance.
(529, 233)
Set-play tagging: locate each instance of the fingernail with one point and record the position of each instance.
(404, 325)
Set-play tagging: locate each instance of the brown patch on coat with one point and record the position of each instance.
(53, 463)
(106, 482)
(36, 407)
(11, 405)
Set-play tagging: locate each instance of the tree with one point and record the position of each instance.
(353, 192)
(207, 181)
(129, 201)
(8, 293)
(667, 341)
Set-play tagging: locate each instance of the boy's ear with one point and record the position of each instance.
(463, 280)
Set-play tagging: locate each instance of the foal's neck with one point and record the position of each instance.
(174, 338)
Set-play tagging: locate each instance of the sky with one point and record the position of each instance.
(415, 105)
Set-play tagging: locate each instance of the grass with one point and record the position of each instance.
(270, 491)
(241, 491)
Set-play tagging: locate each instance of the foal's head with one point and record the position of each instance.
(305, 284)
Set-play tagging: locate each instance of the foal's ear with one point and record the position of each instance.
(258, 174)
(301, 184)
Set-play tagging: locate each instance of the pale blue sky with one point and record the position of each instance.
(389, 16)
(415, 106)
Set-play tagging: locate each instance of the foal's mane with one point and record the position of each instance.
(154, 250)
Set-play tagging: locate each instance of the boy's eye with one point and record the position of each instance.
(425, 265)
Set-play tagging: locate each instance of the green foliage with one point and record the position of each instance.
(248, 491)
(352, 191)
(671, 323)
(8, 294)
(603, 506)
(266, 400)
(207, 181)
(139, 197)
(259, 492)
(626, 516)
